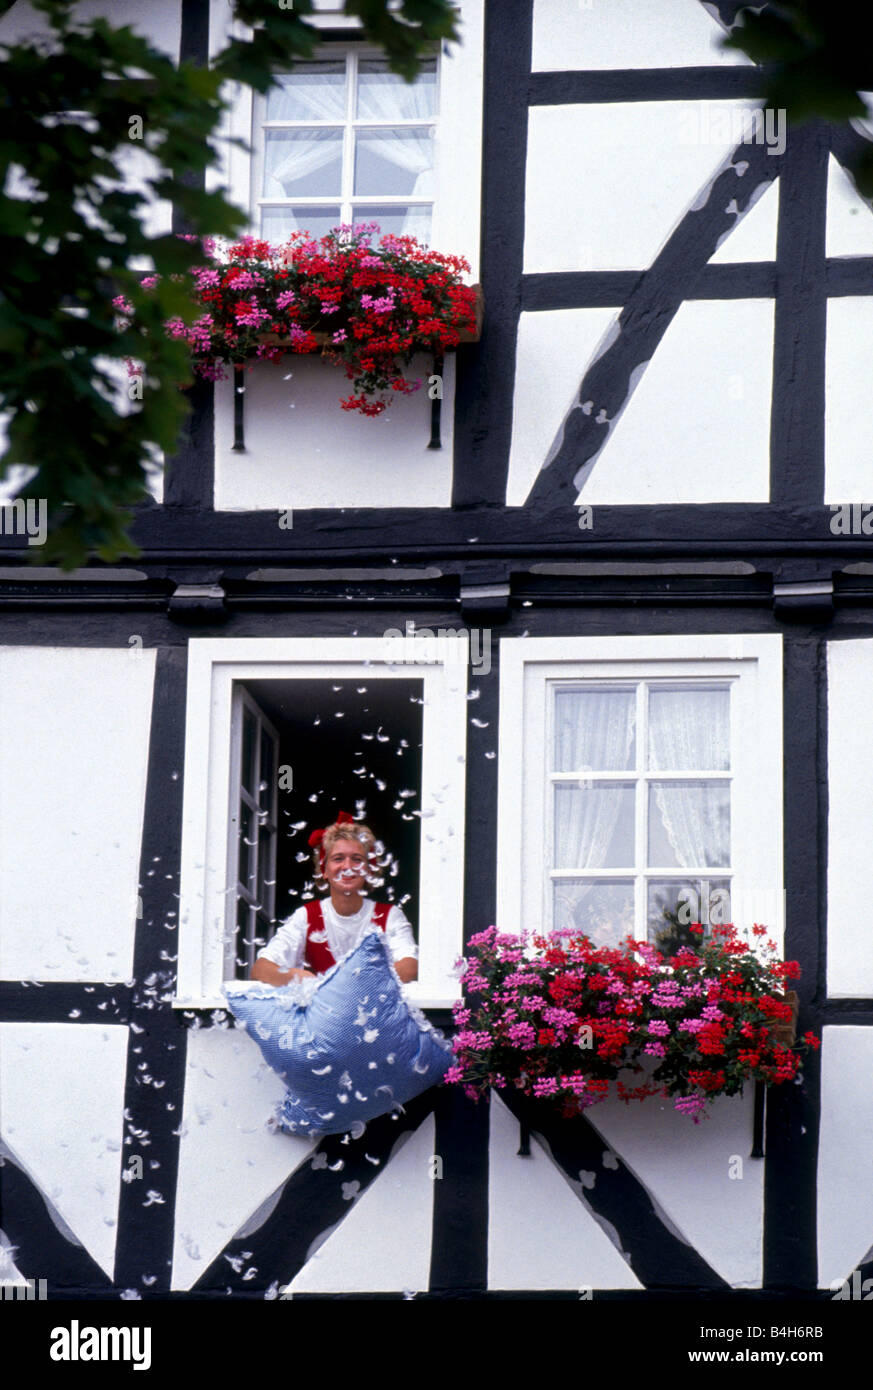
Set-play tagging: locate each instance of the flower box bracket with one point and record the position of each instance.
(323, 339)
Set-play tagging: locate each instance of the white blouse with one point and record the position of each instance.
(288, 947)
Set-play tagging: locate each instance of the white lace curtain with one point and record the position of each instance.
(294, 155)
(594, 732)
(688, 730)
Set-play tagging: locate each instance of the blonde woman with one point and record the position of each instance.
(320, 933)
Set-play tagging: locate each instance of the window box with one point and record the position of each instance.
(564, 1021)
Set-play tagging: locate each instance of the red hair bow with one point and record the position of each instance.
(318, 835)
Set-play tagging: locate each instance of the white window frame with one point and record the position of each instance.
(458, 169)
(213, 666)
(753, 665)
(351, 55)
(242, 704)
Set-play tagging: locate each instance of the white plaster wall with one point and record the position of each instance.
(62, 1088)
(697, 425)
(229, 1162)
(849, 400)
(540, 1235)
(637, 168)
(593, 34)
(845, 1153)
(74, 737)
(159, 21)
(384, 1243)
(753, 236)
(850, 818)
(553, 348)
(304, 450)
(849, 216)
(686, 1169)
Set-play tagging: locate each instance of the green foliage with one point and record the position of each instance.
(818, 61)
(76, 106)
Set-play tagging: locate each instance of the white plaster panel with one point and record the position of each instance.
(384, 1244)
(849, 216)
(850, 817)
(686, 1170)
(540, 1235)
(845, 1153)
(697, 426)
(74, 740)
(304, 450)
(591, 34)
(159, 21)
(848, 400)
(554, 347)
(637, 168)
(62, 1088)
(229, 1161)
(753, 236)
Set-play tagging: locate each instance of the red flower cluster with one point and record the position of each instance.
(567, 1021)
(376, 307)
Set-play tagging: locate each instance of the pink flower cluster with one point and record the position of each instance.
(561, 1019)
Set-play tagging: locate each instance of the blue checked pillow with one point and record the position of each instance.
(348, 1048)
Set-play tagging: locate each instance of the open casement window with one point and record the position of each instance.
(252, 833)
(283, 733)
(344, 139)
(648, 797)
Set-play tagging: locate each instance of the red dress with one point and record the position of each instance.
(318, 957)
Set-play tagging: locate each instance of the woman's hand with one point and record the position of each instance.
(269, 973)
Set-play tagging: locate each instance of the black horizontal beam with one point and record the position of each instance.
(645, 84)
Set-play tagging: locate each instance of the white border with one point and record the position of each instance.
(213, 665)
(756, 738)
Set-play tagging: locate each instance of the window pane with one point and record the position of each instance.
(594, 730)
(689, 730)
(384, 96)
(303, 163)
(247, 831)
(674, 904)
(689, 824)
(277, 224)
(397, 221)
(312, 92)
(268, 771)
(603, 911)
(249, 733)
(594, 826)
(394, 162)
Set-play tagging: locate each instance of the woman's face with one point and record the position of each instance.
(345, 866)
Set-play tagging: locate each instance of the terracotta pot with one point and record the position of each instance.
(785, 1030)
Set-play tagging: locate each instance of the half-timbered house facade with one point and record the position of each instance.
(593, 637)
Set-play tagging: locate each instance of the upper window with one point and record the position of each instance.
(344, 139)
(649, 793)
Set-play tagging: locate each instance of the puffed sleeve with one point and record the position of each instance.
(399, 934)
(287, 947)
